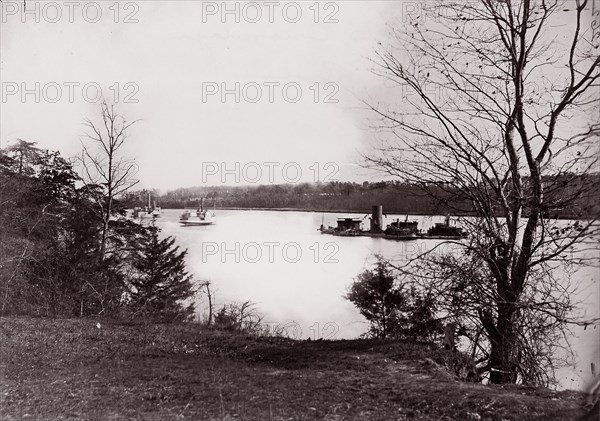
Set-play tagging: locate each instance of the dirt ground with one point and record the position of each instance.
(73, 369)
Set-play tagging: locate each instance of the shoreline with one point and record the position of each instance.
(563, 217)
(322, 211)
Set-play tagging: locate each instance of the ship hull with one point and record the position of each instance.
(197, 223)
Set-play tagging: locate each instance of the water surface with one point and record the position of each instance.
(298, 277)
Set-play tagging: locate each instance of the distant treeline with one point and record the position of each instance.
(396, 197)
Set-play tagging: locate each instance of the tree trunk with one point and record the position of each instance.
(210, 304)
(503, 367)
(103, 239)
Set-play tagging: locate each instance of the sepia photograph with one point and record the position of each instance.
(348, 210)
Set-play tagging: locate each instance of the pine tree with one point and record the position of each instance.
(160, 282)
(394, 307)
(380, 300)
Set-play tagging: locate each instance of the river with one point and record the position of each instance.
(297, 277)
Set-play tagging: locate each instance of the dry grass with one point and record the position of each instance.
(70, 369)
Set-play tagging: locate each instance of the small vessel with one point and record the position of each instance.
(402, 230)
(149, 211)
(348, 226)
(199, 218)
(446, 231)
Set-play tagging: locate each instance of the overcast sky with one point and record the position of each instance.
(167, 62)
(171, 67)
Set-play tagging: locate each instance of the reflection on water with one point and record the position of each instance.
(298, 277)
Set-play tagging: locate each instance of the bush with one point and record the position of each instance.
(239, 317)
(393, 309)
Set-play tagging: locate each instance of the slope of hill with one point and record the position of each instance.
(79, 369)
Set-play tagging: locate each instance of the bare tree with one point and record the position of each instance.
(104, 167)
(209, 295)
(492, 121)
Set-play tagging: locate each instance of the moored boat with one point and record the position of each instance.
(149, 211)
(444, 230)
(348, 226)
(351, 226)
(402, 230)
(199, 218)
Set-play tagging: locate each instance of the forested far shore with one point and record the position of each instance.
(346, 197)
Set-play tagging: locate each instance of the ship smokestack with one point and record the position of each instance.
(377, 219)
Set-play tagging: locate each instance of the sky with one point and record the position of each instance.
(225, 93)
(291, 111)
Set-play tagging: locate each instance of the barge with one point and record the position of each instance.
(397, 230)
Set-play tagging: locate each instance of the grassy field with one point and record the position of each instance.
(72, 369)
